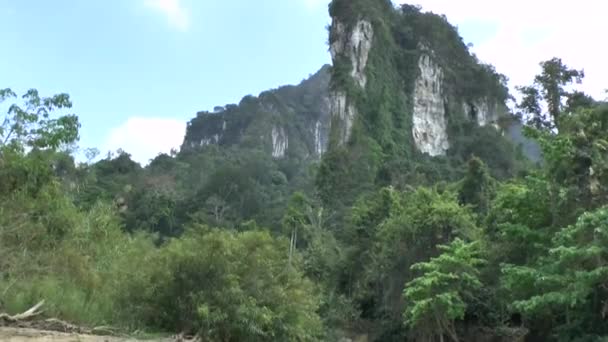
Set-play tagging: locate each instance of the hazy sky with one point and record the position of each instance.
(138, 70)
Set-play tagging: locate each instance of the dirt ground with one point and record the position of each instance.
(33, 335)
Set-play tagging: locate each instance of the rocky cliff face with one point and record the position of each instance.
(408, 102)
(280, 142)
(289, 121)
(354, 45)
(411, 52)
(429, 117)
(402, 81)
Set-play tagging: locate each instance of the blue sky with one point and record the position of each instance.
(138, 70)
(121, 59)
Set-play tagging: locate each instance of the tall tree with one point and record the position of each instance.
(30, 125)
(438, 297)
(567, 288)
(549, 86)
(478, 187)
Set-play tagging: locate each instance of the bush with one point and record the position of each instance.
(231, 287)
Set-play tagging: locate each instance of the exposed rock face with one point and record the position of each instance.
(214, 139)
(345, 113)
(320, 134)
(403, 85)
(321, 128)
(297, 120)
(355, 45)
(429, 121)
(484, 111)
(280, 142)
(291, 118)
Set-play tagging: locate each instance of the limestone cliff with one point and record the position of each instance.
(355, 45)
(429, 120)
(416, 60)
(289, 121)
(409, 102)
(403, 87)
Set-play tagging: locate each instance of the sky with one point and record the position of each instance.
(138, 70)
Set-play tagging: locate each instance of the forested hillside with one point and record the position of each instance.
(392, 196)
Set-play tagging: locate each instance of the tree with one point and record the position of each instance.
(303, 220)
(478, 187)
(230, 286)
(550, 86)
(323, 256)
(587, 161)
(575, 162)
(31, 126)
(153, 211)
(568, 287)
(438, 297)
(395, 230)
(518, 225)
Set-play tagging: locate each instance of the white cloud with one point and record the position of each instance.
(177, 15)
(571, 31)
(530, 31)
(144, 138)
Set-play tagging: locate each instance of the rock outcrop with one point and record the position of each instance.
(396, 81)
(424, 78)
(280, 142)
(354, 44)
(290, 118)
(429, 121)
(483, 112)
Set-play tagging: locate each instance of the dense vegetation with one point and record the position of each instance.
(226, 242)
(381, 150)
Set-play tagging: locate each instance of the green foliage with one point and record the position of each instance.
(152, 211)
(382, 127)
(232, 287)
(460, 66)
(519, 221)
(389, 231)
(439, 296)
(554, 279)
(77, 262)
(575, 161)
(501, 156)
(249, 125)
(31, 125)
(371, 236)
(346, 173)
(323, 257)
(550, 86)
(477, 187)
(567, 285)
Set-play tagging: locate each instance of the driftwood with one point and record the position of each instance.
(6, 319)
(26, 320)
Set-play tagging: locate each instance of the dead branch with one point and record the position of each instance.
(32, 312)
(24, 320)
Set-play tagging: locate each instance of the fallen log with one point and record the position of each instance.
(32, 312)
(25, 320)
